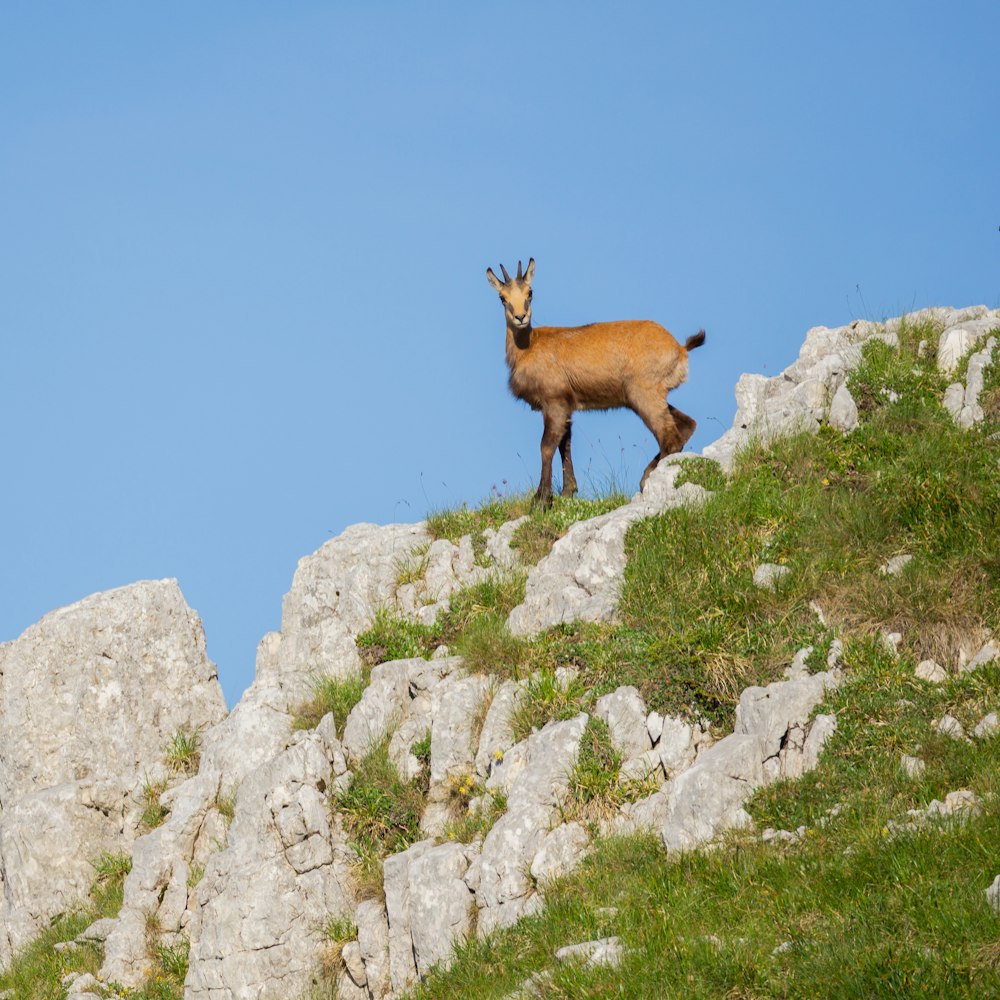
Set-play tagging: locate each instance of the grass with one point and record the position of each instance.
(867, 911)
(331, 694)
(182, 753)
(381, 813)
(477, 816)
(483, 605)
(37, 971)
(153, 813)
(534, 538)
(596, 785)
(547, 697)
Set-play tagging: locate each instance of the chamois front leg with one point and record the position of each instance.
(556, 419)
(569, 479)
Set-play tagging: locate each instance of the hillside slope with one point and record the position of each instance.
(504, 731)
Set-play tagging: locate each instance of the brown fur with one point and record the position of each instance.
(602, 366)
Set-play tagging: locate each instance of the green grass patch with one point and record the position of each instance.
(381, 812)
(37, 971)
(153, 813)
(546, 698)
(331, 694)
(473, 615)
(182, 753)
(534, 538)
(704, 472)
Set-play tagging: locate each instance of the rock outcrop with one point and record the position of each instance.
(89, 697)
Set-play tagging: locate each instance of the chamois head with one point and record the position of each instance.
(515, 294)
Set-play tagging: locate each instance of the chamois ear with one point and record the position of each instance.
(493, 279)
(530, 271)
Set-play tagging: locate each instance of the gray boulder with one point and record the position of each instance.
(625, 714)
(256, 927)
(441, 904)
(500, 876)
(89, 697)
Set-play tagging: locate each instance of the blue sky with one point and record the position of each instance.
(242, 251)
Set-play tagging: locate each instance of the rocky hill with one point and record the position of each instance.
(377, 798)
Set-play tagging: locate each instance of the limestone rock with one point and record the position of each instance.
(373, 945)
(645, 767)
(993, 896)
(499, 876)
(678, 745)
(441, 904)
(708, 797)
(644, 815)
(933, 673)
(895, 565)
(607, 951)
(402, 963)
(988, 726)
(89, 697)
(156, 887)
(456, 703)
(987, 654)
(768, 576)
(497, 736)
(261, 903)
(625, 714)
(950, 726)
(381, 706)
(561, 850)
(958, 340)
(776, 712)
(843, 411)
(913, 766)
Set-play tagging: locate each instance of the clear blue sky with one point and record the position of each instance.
(242, 250)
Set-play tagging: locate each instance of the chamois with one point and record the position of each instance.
(601, 366)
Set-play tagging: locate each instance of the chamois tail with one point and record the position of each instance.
(696, 340)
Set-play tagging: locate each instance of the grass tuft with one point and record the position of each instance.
(331, 694)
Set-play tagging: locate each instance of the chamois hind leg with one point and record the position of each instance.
(556, 419)
(685, 424)
(569, 479)
(659, 418)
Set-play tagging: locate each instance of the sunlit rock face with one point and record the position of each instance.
(89, 697)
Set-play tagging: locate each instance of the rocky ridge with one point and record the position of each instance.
(269, 879)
